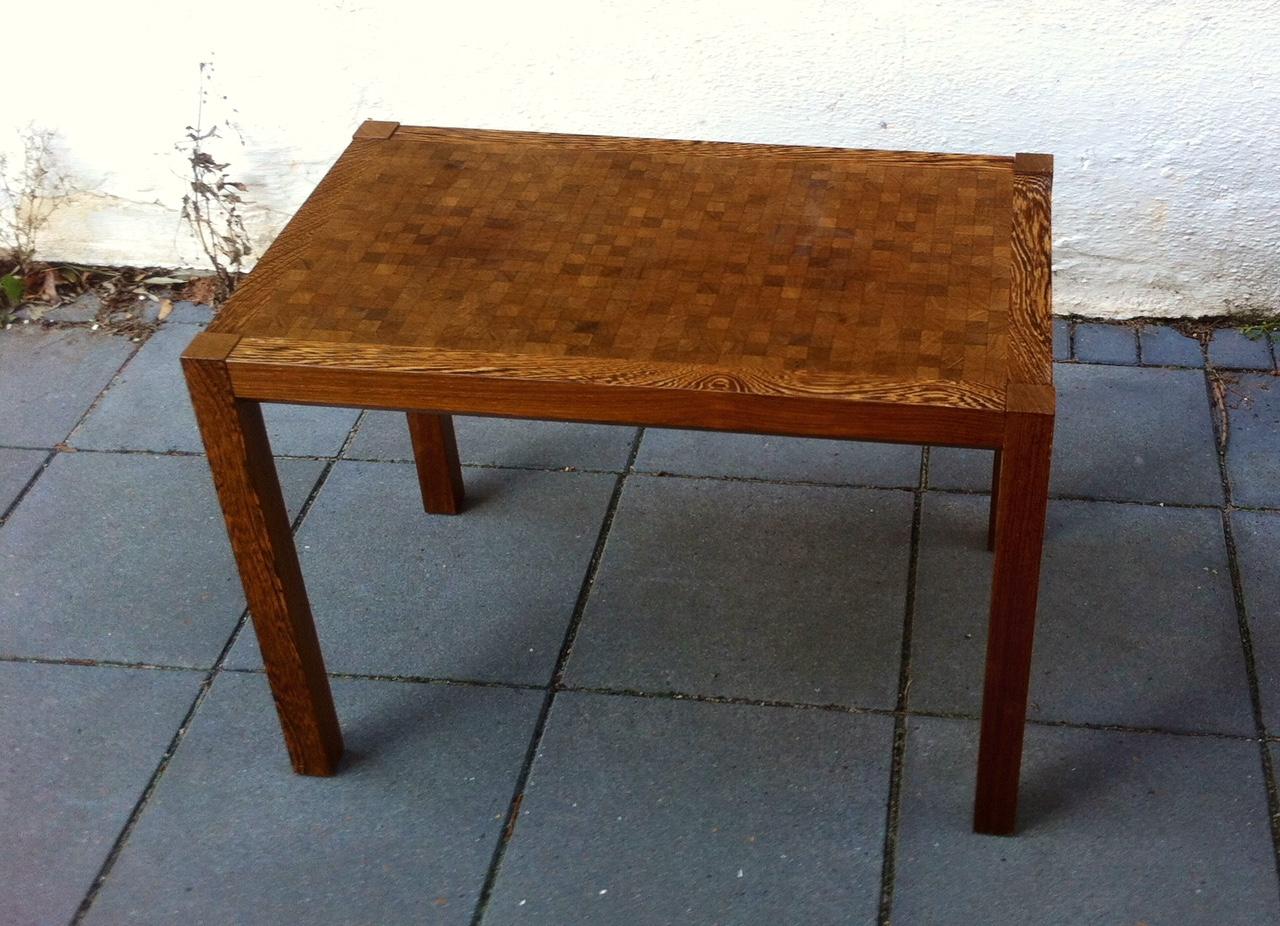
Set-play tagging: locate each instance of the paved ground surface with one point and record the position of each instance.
(646, 678)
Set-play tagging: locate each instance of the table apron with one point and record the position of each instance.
(793, 416)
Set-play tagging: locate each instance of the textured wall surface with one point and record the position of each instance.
(1162, 116)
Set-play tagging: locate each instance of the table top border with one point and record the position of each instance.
(367, 382)
(621, 373)
(373, 129)
(1030, 359)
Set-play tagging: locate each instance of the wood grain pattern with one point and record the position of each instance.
(1019, 539)
(1031, 293)
(406, 387)
(258, 526)
(533, 368)
(435, 451)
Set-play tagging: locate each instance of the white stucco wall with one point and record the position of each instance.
(1164, 117)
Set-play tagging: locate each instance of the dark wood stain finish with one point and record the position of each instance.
(872, 295)
(1019, 536)
(435, 451)
(258, 526)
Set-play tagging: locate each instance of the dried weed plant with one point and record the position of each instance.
(29, 196)
(212, 204)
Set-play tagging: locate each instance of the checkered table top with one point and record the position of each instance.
(752, 259)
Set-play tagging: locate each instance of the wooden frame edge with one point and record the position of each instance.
(1031, 271)
(712, 148)
(210, 347)
(696, 379)
(741, 412)
(375, 128)
(1027, 163)
(1031, 399)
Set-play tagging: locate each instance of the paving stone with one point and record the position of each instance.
(707, 453)
(190, 313)
(1114, 828)
(1061, 339)
(1166, 346)
(1231, 350)
(486, 594)
(647, 811)
(1253, 451)
(1144, 435)
(402, 834)
(504, 441)
(49, 377)
(16, 469)
(148, 310)
(1137, 621)
(124, 557)
(84, 308)
(1130, 434)
(957, 468)
(81, 744)
(749, 589)
(1099, 343)
(148, 408)
(1257, 537)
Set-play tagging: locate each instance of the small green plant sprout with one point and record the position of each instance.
(1260, 329)
(212, 204)
(11, 291)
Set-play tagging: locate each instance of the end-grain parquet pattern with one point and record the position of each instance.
(830, 263)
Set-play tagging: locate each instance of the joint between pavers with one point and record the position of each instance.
(764, 480)
(1221, 423)
(1091, 725)
(898, 750)
(734, 700)
(440, 680)
(121, 840)
(556, 684)
(516, 467)
(1251, 671)
(26, 489)
(206, 684)
(98, 663)
(1068, 497)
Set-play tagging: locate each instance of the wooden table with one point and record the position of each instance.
(815, 292)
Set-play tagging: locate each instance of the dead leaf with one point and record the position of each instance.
(49, 290)
(166, 306)
(201, 290)
(163, 281)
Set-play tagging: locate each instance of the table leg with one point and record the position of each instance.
(258, 525)
(1019, 538)
(995, 501)
(435, 450)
